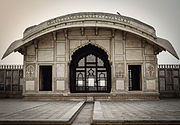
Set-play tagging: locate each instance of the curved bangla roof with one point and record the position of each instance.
(92, 19)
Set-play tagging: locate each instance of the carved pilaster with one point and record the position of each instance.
(67, 61)
(35, 42)
(96, 31)
(54, 36)
(65, 33)
(124, 34)
(82, 31)
(113, 33)
(143, 41)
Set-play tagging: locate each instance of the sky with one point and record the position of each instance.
(17, 15)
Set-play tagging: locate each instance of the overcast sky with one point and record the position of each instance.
(17, 15)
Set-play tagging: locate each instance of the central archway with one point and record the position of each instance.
(90, 70)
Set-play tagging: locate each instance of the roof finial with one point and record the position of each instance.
(118, 13)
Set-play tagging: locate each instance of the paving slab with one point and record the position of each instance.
(38, 112)
(137, 112)
(85, 116)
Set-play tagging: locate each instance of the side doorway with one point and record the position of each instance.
(45, 78)
(134, 75)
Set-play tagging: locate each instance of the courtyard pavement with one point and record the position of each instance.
(38, 112)
(140, 112)
(19, 111)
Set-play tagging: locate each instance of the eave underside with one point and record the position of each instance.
(161, 43)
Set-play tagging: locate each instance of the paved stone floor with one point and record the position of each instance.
(121, 111)
(9, 107)
(22, 110)
(98, 112)
(85, 116)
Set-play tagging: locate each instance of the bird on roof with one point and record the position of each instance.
(118, 13)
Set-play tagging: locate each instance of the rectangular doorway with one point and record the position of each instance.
(134, 73)
(45, 78)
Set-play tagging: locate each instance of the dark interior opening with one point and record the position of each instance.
(134, 72)
(45, 78)
(90, 70)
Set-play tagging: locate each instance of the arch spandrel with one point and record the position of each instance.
(93, 44)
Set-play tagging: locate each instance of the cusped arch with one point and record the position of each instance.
(98, 70)
(92, 44)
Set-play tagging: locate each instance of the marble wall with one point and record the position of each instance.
(123, 49)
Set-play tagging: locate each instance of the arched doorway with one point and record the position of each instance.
(90, 70)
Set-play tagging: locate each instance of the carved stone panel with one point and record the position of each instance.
(30, 72)
(104, 32)
(74, 32)
(46, 42)
(150, 70)
(60, 49)
(133, 41)
(134, 54)
(118, 35)
(119, 84)
(60, 70)
(118, 47)
(60, 59)
(60, 85)
(149, 50)
(60, 35)
(30, 85)
(74, 44)
(30, 58)
(84, 42)
(151, 84)
(150, 57)
(90, 31)
(104, 43)
(119, 58)
(45, 55)
(119, 68)
(31, 50)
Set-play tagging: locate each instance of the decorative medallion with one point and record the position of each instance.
(30, 72)
(150, 70)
